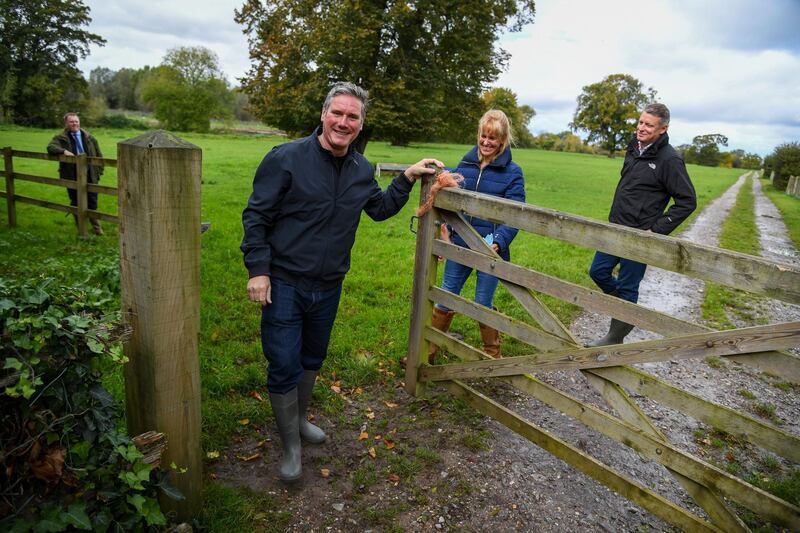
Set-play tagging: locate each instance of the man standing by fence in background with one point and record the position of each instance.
(652, 174)
(75, 141)
(299, 227)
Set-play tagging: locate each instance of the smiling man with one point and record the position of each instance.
(299, 227)
(652, 174)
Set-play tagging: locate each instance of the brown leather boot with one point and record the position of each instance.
(96, 228)
(441, 320)
(491, 341)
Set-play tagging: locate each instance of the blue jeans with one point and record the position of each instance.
(626, 284)
(456, 274)
(295, 331)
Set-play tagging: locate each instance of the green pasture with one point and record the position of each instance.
(372, 324)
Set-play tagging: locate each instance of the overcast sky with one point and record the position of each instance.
(722, 66)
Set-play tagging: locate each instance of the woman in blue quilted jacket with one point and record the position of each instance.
(488, 169)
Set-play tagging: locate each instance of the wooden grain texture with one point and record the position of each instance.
(753, 274)
(8, 171)
(629, 411)
(779, 363)
(730, 420)
(717, 343)
(540, 312)
(425, 265)
(624, 486)
(159, 206)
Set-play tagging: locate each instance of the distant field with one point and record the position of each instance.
(373, 318)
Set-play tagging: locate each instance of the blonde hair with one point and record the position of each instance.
(496, 122)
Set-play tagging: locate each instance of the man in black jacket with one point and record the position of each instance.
(299, 226)
(652, 174)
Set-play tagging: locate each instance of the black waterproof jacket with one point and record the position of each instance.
(647, 183)
(300, 222)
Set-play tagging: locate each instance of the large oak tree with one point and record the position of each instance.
(40, 44)
(425, 62)
(609, 110)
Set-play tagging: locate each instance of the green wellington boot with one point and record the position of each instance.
(616, 334)
(308, 431)
(285, 408)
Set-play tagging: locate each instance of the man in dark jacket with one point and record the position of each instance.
(299, 226)
(75, 141)
(652, 174)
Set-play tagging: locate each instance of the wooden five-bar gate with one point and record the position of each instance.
(608, 368)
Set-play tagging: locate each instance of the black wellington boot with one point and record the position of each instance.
(616, 334)
(308, 431)
(285, 408)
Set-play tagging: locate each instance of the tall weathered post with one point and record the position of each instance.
(159, 228)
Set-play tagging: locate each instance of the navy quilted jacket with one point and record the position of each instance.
(502, 177)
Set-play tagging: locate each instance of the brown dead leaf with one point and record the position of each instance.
(394, 478)
(213, 475)
(325, 472)
(389, 444)
(390, 405)
(371, 415)
(50, 467)
(378, 437)
(357, 391)
(363, 436)
(247, 458)
(372, 452)
(255, 395)
(337, 389)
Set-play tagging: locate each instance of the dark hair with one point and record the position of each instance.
(346, 87)
(71, 114)
(659, 110)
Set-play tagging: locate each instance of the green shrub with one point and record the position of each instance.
(119, 121)
(66, 465)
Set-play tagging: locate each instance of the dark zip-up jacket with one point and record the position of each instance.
(647, 183)
(63, 141)
(502, 177)
(300, 222)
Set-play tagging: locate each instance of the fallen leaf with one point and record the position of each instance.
(394, 478)
(390, 405)
(336, 389)
(378, 437)
(358, 390)
(363, 436)
(244, 421)
(371, 415)
(248, 457)
(372, 452)
(325, 472)
(256, 395)
(212, 475)
(213, 455)
(433, 489)
(215, 336)
(50, 467)
(261, 443)
(389, 444)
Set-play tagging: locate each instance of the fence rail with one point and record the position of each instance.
(81, 185)
(606, 368)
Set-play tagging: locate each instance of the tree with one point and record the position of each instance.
(506, 101)
(40, 43)
(188, 89)
(705, 150)
(425, 62)
(608, 110)
(785, 161)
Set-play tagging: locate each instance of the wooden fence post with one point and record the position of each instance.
(159, 215)
(425, 266)
(9, 172)
(81, 169)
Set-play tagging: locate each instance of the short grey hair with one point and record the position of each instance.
(346, 87)
(658, 110)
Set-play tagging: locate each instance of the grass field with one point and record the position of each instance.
(372, 324)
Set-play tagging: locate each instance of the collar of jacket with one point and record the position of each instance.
(500, 161)
(652, 150)
(315, 140)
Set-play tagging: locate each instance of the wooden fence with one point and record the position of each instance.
(81, 211)
(607, 368)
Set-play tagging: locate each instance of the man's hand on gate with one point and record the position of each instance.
(67, 152)
(259, 290)
(419, 169)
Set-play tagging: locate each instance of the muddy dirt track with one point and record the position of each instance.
(469, 473)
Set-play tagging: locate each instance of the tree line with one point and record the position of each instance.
(428, 65)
